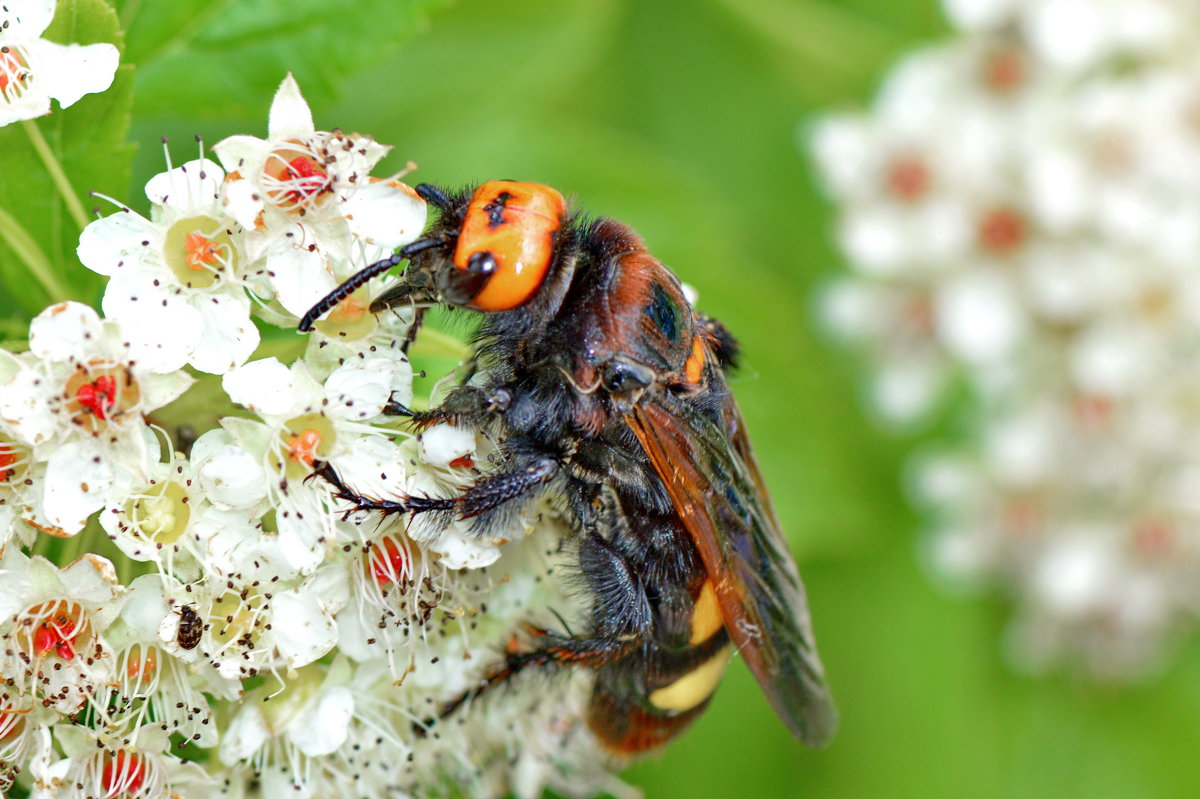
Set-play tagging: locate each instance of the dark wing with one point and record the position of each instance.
(710, 473)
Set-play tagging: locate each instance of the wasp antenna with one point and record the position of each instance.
(361, 277)
(434, 196)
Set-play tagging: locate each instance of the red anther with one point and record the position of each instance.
(98, 396)
(302, 448)
(462, 462)
(307, 177)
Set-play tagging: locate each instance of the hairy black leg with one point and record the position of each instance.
(496, 489)
(727, 349)
(621, 617)
(561, 650)
(466, 405)
(386, 507)
(489, 492)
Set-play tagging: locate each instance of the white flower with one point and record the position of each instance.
(32, 70)
(177, 279)
(305, 422)
(51, 647)
(78, 401)
(308, 202)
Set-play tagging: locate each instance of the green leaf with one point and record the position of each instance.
(88, 142)
(84, 22)
(219, 59)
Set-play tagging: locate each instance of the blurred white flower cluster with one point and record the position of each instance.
(248, 637)
(1021, 210)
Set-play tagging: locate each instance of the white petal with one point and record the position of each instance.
(68, 72)
(228, 337)
(245, 735)
(290, 114)
(93, 579)
(242, 154)
(161, 328)
(114, 241)
(159, 389)
(458, 551)
(31, 105)
(146, 606)
(979, 318)
(25, 405)
(190, 186)
(265, 386)
(385, 213)
(27, 18)
(323, 725)
(232, 478)
(976, 14)
(303, 631)
(64, 331)
(78, 480)
(359, 389)
(443, 443)
(300, 277)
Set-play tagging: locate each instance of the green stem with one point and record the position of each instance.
(74, 206)
(30, 254)
(432, 343)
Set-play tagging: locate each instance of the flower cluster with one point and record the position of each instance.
(249, 633)
(1021, 209)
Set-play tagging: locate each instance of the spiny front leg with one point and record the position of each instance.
(486, 494)
(471, 406)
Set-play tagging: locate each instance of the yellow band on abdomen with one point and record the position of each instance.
(694, 687)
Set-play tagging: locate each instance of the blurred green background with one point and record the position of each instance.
(683, 120)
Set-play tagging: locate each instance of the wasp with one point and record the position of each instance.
(602, 385)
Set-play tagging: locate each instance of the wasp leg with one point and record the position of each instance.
(386, 507)
(586, 652)
(466, 405)
(488, 493)
(621, 617)
(727, 348)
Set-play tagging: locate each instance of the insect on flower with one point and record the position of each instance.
(607, 390)
(191, 627)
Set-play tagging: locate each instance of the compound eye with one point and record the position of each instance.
(461, 286)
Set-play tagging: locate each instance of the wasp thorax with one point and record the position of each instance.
(97, 393)
(199, 251)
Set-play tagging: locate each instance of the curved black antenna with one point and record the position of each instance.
(361, 277)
